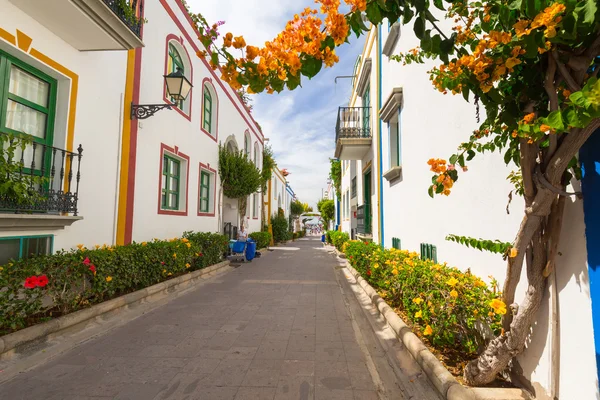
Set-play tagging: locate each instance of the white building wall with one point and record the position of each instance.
(101, 83)
(432, 126)
(176, 130)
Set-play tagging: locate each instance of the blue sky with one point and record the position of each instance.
(299, 124)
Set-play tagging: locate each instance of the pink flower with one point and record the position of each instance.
(86, 261)
(451, 167)
(93, 268)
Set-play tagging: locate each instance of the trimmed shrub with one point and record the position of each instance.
(338, 239)
(449, 307)
(39, 288)
(262, 239)
(280, 228)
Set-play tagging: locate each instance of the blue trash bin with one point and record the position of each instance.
(250, 249)
(323, 238)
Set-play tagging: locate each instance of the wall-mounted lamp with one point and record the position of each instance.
(178, 89)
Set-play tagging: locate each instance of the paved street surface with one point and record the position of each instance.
(286, 326)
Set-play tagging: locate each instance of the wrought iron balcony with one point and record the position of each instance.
(90, 25)
(46, 178)
(130, 19)
(353, 132)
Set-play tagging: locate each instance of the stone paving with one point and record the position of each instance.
(276, 328)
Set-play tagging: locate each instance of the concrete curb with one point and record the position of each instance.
(11, 344)
(444, 382)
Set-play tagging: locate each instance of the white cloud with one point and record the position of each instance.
(299, 124)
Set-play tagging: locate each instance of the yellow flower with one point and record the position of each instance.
(1, 269)
(475, 312)
(375, 266)
(108, 278)
(187, 265)
(185, 240)
(417, 300)
(498, 306)
(452, 281)
(454, 293)
(80, 247)
(169, 274)
(419, 314)
(188, 245)
(395, 271)
(144, 243)
(175, 255)
(511, 62)
(428, 331)
(164, 271)
(97, 246)
(513, 252)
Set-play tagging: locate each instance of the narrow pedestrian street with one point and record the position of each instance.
(285, 326)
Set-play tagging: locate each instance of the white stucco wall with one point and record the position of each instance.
(97, 124)
(432, 126)
(174, 129)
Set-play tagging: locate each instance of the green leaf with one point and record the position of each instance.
(453, 159)
(311, 66)
(430, 191)
(465, 93)
(447, 45)
(328, 42)
(408, 15)
(419, 5)
(470, 155)
(382, 4)
(419, 27)
(439, 4)
(579, 99)
(374, 13)
(533, 8)
(587, 12)
(453, 174)
(555, 120)
(293, 81)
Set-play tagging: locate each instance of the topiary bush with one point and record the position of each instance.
(447, 306)
(74, 279)
(280, 228)
(262, 239)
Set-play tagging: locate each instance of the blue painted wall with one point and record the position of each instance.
(590, 161)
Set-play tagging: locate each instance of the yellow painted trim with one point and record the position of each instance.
(366, 167)
(366, 51)
(378, 122)
(269, 216)
(10, 38)
(124, 167)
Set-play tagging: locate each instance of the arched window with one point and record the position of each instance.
(178, 60)
(247, 144)
(256, 155)
(175, 64)
(210, 108)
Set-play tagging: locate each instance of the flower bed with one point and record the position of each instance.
(40, 288)
(454, 311)
(337, 238)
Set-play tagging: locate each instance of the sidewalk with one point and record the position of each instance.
(277, 328)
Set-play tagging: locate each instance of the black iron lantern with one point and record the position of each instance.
(178, 89)
(178, 86)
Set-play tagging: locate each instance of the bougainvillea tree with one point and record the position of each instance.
(532, 64)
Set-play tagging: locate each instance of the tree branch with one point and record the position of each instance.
(573, 86)
(553, 97)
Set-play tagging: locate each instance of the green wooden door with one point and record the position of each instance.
(367, 199)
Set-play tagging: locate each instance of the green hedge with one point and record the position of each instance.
(76, 279)
(337, 238)
(445, 305)
(280, 228)
(262, 239)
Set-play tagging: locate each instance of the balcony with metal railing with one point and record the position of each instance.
(90, 24)
(353, 135)
(40, 185)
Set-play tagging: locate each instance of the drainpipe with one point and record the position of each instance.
(380, 144)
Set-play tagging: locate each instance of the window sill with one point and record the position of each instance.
(393, 173)
(182, 213)
(34, 222)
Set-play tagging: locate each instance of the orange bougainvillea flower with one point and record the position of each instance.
(428, 331)
(239, 42)
(528, 118)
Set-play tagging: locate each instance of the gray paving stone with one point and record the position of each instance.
(255, 393)
(261, 377)
(229, 373)
(272, 349)
(298, 368)
(295, 388)
(139, 391)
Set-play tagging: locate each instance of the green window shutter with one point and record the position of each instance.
(207, 123)
(170, 183)
(175, 63)
(428, 252)
(204, 192)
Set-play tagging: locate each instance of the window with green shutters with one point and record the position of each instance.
(396, 244)
(171, 178)
(208, 110)
(428, 252)
(366, 103)
(205, 192)
(23, 247)
(175, 63)
(27, 105)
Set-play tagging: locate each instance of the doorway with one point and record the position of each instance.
(367, 202)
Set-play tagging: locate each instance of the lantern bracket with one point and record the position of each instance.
(143, 111)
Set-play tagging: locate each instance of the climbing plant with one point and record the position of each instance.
(239, 177)
(335, 174)
(532, 65)
(267, 167)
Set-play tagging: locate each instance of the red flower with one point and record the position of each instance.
(93, 268)
(86, 261)
(31, 282)
(162, 263)
(42, 281)
(201, 255)
(369, 272)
